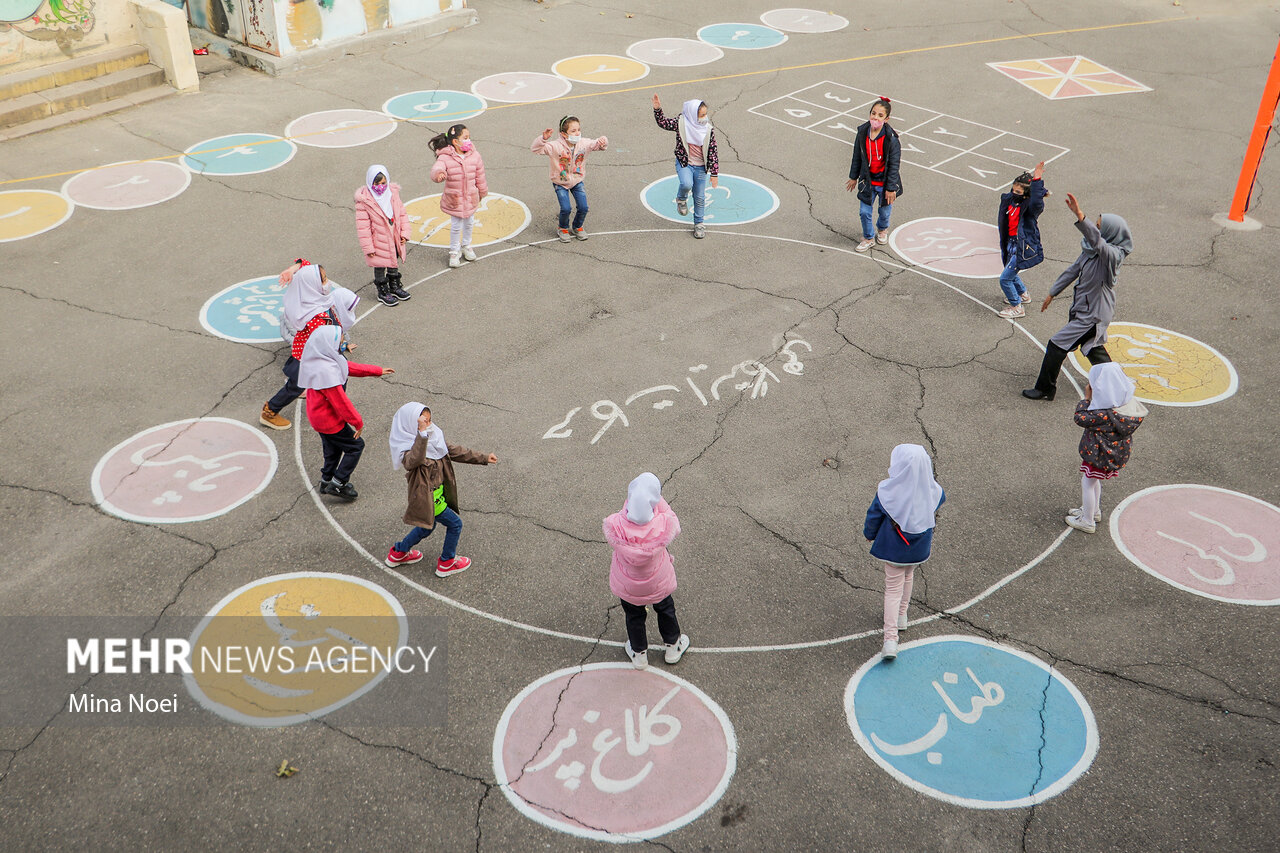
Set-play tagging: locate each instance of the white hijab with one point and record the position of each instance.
(694, 133)
(910, 495)
(344, 304)
(1111, 387)
(321, 365)
(305, 298)
(404, 431)
(384, 200)
(643, 495)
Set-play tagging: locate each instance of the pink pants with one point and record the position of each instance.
(897, 596)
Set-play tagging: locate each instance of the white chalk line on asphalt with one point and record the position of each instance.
(582, 638)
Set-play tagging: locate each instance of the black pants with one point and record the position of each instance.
(341, 454)
(1054, 355)
(291, 390)
(668, 627)
(380, 274)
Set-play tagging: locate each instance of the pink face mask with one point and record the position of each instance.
(877, 123)
(466, 146)
(379, 189)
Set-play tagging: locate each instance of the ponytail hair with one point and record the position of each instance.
(444, 140)
(883, 101)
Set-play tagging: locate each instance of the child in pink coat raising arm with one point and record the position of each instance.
(568, 153)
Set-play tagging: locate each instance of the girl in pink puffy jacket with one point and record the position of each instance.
(459, 167)
(642, 572)
(383, 230)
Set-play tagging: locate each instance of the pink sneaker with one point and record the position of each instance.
(445, 568)
(399, 558)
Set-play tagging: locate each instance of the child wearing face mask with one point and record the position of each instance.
(875, 172)
(459, 167)
(697, 158)
(568, 153)
(383, 231)
(1019, 232)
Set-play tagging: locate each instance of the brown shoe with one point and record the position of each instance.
(272, 419)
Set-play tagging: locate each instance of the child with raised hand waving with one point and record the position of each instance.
(568, 153)
(697, 158)
(1020, 248)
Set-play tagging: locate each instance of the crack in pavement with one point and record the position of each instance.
(447, 395)
(830, 571)
(1044, 743)
(536, 523)
(200, 334)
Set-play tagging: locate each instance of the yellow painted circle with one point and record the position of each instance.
(254, 656)
(601, 68)
(1168, 368)
(26, 213)
(499, 217)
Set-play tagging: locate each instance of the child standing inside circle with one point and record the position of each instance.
(459, 167)
(697, 158)
(875, 172)
(899, 525)
(419, 449)
(1109, 414)
(568, 154)
(383, 231)
(642, 572)
(1020, 247)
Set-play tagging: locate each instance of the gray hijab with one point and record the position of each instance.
(1115, 231)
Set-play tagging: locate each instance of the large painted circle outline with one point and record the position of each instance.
(568, 87)
(695, 42)
(377, 562)
(372, 119)
(208, 327)
(528, 219)
(1232, 387)
(522, 806)
(215, 707)
(761, 25)
(1114, 523)
(772, 195)
(100, 498)
(266, 138)
(645, 65)
(831, 15)
(178, 165)
(71, 208)
(1067, 779)
(452, 117)
(893, 244)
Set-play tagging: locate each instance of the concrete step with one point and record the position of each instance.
(72, 71)
(99, 109)
(83, 93)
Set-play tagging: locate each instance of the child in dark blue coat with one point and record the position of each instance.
(1020, 247)
(900, 526)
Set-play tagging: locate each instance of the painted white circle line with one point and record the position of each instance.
(378, 126)
(582, 638)
(714, 53)
(563, 84)
(893, 244)
(216, 707)
(1231, 369)
(267, 139)
(1068, 778)
(527, 809)
(178, 165)
(208, 327)
(451, 117)
(71, 208)
(100, 497)
(702, 39)
(1114, 524)
(644, 65)
(774, 202)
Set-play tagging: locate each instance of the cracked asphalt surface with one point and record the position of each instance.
(105, 342)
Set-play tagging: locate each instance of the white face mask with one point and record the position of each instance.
(574, 139)
(705, 121)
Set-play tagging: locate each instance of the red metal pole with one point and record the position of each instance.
(1257, 141)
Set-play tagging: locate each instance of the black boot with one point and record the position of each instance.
(393, 284)
(385, 296)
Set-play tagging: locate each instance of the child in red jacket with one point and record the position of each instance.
(323, 372)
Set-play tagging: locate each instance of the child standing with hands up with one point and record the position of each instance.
(568, 153)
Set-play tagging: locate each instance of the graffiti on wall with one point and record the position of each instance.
(63, 22)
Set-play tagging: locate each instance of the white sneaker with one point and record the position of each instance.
(882, 237)
(682, 207)
(890, 650)
(1083, 527)
(468, 253)
(674, 653)
(1097, 516)
(1026, 297)
(1013, 312)
(902, 623)
(455, 261)
(638, 659)
(864, 245)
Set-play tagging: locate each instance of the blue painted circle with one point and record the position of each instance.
(247, 312)
(736, 201)
(443, 106)
(239, 154)
(741, 36)
(1029, 744)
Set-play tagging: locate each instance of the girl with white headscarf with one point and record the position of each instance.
(383, 230)
(696, 157)
(418, 448)
(323, 371)
(1109, 414)
(899, 525)
(642, 572)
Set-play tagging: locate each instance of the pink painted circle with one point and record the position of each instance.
(1213, 542)
(187, 470)
(944, 244)
(340, 128)
(674, 52)
(129, 185)
(611, 753)
(514, 87)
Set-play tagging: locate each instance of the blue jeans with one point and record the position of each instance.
(453, 532)
(1009, 282)
(579, 193)
(693, 178)
(882, 222)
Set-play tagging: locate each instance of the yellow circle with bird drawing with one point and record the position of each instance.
(293, 647)
(1168, 368)
(26, 213)
(601, 68)
(499, 217)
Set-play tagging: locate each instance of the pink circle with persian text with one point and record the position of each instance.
(128, 185)
(945, 244)
(1212, 542)
(518, 87)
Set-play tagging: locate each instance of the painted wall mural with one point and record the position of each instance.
(63, 22)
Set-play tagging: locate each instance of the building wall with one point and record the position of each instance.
(40, 32)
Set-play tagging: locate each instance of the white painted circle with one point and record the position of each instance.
(271, 301)
(431, 228)
(256, 146)
(804, 21)
(429, 105)
(713, 34)
(14, 197)
(727, 182)
(521, 87)
(348, 128)
(1233, 379)
(973, 254)
(178, 178)
(674, 52)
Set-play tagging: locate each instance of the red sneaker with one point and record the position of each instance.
(444, 568)
(399, 558)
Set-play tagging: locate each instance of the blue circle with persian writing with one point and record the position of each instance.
(971, 722)
(445, 106)
(247, 312)
(741, 36)
(736, 201)
(239, 154)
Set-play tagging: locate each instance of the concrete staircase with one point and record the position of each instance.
(77, 90)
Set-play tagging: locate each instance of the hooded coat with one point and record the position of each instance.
(377, 234)
(642, 572)
(860, 167)
(1027, 241)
